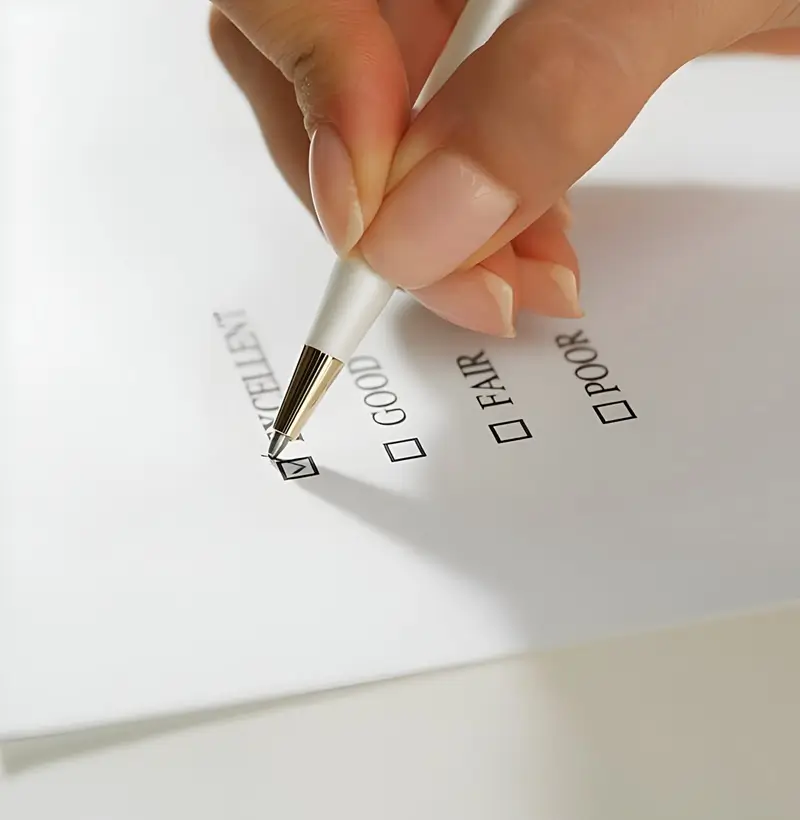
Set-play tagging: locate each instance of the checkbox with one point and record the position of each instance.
(405, 450)
(295, 468)
(614, 411)
(505, 432)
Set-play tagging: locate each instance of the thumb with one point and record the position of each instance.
(527, 115)
(350, 83)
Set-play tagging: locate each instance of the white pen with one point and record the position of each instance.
(356, 295)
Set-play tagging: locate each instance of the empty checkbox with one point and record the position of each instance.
(614, 411)
(505, 432)
(405, 450)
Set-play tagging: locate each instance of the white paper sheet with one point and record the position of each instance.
(154, 561)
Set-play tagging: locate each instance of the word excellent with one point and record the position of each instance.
(252, 366)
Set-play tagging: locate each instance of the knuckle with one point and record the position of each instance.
(278, 29)
(290, 47)
(286, 33)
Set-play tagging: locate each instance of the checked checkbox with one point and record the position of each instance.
(293, 469)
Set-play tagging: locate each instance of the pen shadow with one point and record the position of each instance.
(464, 524)
(482, 529)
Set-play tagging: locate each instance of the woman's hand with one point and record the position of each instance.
(465, 206)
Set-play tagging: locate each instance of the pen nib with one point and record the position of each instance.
(278, 443)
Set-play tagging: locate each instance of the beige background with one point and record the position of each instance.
(693, 724)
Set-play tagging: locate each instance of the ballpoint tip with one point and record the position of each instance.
(278, 443)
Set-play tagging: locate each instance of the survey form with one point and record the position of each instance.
(458, 498)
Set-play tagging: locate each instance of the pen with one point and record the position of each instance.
(356, 295)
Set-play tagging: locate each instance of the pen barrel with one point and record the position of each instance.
(356, 295)
(353, 301)
(478, 22)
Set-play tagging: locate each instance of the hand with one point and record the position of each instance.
(464, 207)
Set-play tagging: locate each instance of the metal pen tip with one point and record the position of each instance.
(313, 375)
(277, 444)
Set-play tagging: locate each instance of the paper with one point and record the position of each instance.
(456, 499)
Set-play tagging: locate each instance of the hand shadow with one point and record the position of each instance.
(494, 538)
(485, 526)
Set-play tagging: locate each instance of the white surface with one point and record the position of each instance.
(700, 724)
(154, 563)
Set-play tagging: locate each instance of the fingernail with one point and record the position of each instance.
(476, 299)
(333, 188)
(444, 211)
(549, 289)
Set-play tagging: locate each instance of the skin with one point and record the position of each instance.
(566, 77)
